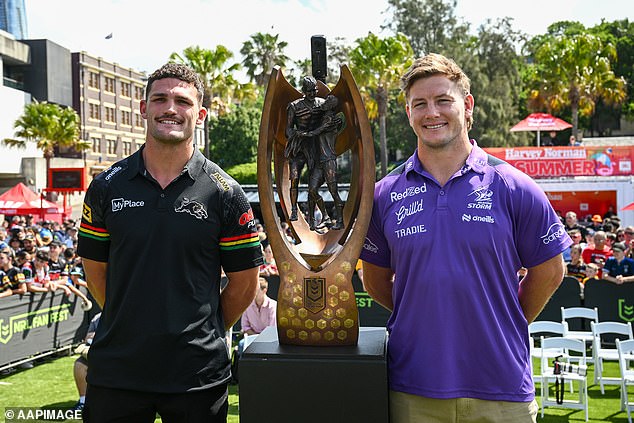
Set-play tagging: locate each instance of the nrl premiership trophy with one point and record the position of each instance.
(306, 131)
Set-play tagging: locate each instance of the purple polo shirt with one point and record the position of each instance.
(457, 329)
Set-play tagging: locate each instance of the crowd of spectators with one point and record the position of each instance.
(601, 249)
(40, 257)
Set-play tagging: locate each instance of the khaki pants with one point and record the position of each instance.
(408, 408)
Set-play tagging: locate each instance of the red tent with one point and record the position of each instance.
(541, 122)
(628, 207)
(20, 200)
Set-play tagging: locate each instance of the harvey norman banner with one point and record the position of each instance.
(549, 162)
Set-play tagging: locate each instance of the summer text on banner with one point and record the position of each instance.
(549, 162)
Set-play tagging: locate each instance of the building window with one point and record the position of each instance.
(138, 92)
(96, 145)
(138, 120)
(110, 117)
(94, 110)
(125, 89)
(127, 148)
(93, 80)
(125, 118)
(109, 85)
(112, 147)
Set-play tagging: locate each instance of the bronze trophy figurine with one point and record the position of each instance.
(316, 301)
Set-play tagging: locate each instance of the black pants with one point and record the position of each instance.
(105, 405)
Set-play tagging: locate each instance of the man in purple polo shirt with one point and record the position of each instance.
(450, 229)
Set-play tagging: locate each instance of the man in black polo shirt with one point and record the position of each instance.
(156, 229)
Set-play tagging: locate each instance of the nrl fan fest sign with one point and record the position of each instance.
(550, 162)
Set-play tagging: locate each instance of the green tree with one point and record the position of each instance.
(621, 35)
(430, 25)
(236, 135)
(574, 71)
(377, 65)
(221, 88)
(261, 53)
(496, 84)
(49, 126)
(338, 54)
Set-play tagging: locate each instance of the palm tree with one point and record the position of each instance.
(261, 53)
(574, 71)
(49, 126)
(377, 65)
(221, 88)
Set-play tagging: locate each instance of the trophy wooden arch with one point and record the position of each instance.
(316, 302)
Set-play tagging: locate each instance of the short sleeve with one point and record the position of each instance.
(376, 249)
(239, 242)
(545, 236)
(93, 238)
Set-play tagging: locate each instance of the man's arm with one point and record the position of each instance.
(238, 294)
(21, 290)
(538, 286)
(378, 281)
(96, 279)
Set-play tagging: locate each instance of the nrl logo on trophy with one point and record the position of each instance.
(301, 135)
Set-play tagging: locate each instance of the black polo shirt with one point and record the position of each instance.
(162, 328)
(11, 279)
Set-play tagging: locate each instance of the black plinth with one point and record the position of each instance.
(291, 384)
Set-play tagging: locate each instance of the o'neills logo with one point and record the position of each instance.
(370, 246)
(408, 192)
(555, 231)
(119, 204)
(403, 212)
(112, 172)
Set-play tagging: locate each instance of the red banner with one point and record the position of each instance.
(550, 162)
(583, 203)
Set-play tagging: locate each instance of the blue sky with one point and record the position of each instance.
(145, 32)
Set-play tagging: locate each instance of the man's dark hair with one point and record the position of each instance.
(42, 255)
(178, 71)
(69, 252)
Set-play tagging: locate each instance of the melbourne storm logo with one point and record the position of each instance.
(192, 207)
(483, 198)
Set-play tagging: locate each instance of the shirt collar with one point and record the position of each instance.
(476, 161)
(194, 167)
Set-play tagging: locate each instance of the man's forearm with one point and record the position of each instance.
(238, 294)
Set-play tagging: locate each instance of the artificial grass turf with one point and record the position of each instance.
(50, 385)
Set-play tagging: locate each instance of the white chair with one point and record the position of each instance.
(626, 357)
(587, 314)
(539, 328)
(247, 340)
(548, 374)
(601, 352)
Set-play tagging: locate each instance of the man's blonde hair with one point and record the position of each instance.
(437, 64)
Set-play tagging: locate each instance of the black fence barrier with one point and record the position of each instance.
(615, 302)
(37, 323)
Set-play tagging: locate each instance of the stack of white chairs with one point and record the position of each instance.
(548, 375)
(589, 314)
(601, 351)
(625, 351)
(540, 328)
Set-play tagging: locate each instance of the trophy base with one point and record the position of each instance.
(290, 384)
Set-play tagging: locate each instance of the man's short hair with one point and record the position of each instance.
(42, 255)
(437, 64)
(178, 71)
(264, 284)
